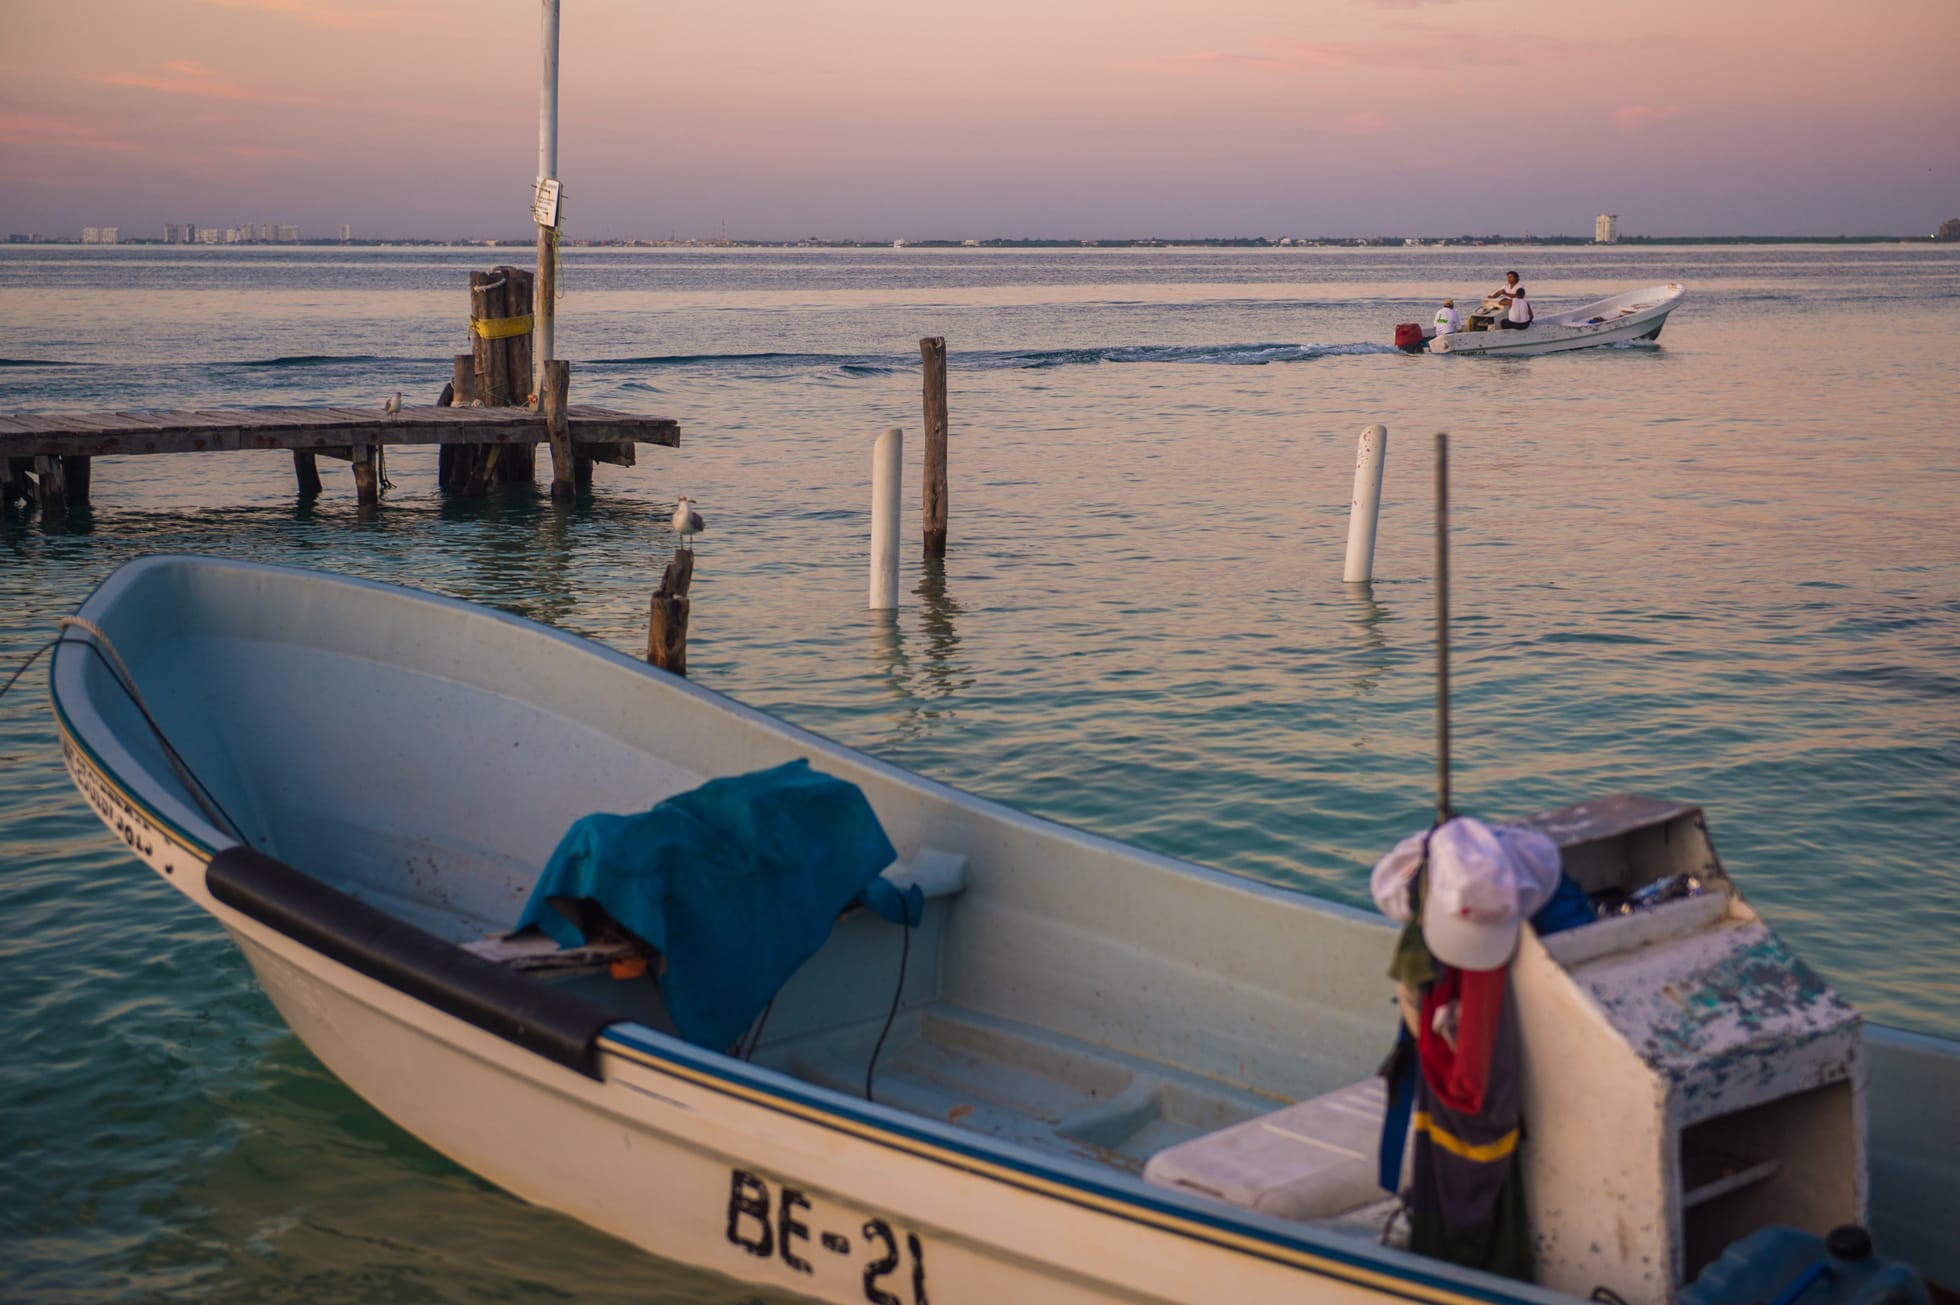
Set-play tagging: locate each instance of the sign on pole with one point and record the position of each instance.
(545, 207)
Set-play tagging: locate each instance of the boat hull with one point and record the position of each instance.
(777, 1179)
(712, 1162)
(1623, 319)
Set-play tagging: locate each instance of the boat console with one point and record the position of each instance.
(1687, 1080)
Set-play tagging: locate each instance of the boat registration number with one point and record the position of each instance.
(778, 1221)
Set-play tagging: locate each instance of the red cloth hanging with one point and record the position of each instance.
(1459, 1075)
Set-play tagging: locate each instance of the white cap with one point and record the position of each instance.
(1481, 883)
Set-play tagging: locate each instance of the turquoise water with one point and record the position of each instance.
(1720, 569)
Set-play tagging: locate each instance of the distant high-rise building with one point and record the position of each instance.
(287, 234)
(208, 235)
(91, 235)
(346, 233)
(1606, 228)
(172, 234)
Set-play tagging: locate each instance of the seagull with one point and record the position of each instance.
(394, 406)
(686, 521)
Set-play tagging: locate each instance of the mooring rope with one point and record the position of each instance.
(103, 647)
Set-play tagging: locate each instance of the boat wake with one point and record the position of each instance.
(1223, 355)
(314, 360)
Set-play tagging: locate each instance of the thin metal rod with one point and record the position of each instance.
(1443, 811)
(547, 287)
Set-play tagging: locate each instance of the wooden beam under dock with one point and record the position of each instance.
(114, 434)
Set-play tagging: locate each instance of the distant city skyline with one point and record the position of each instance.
(867, 119)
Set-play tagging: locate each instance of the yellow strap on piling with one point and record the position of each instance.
(501, 328)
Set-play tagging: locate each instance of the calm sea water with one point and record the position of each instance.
(1721, 569)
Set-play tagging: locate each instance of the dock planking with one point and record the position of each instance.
(312, 429)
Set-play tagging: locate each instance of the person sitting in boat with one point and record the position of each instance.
(1517, 312)
(1447, 321)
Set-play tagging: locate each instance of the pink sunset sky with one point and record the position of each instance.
(1068, 118)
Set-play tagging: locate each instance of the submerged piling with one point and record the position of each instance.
(932, 352)
(667, 615)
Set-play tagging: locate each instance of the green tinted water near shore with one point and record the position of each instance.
(1721, 569)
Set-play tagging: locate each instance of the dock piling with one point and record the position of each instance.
(75, 467)
(932, 352)
(367, 480)
(1370, 453)
(500, 363)
(557, 391)
(53, 486)
(306, 470)
(887, 460)
(454, 460)
(517, 464)
(667, 615)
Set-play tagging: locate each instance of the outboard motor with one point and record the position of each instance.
(1409, 337)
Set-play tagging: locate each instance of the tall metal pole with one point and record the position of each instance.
(1443, 811)
(547, 281)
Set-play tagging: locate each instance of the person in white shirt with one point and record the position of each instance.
(1518, 315)
(1446, 318)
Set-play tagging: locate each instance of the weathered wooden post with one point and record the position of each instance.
(932, 350)
(53, 485)
(518, 463)
(1365, 507)
(75, 467)
(557, 392)
(500, 353)
(457, 394)
(668, 613)
(367, 479)
(887, 460)
(306, 470)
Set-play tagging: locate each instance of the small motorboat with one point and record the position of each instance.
(1634, 315)
(1069, 1070)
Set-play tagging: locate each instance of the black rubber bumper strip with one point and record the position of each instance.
(531, 1013)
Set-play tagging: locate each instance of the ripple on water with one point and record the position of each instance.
(1668, 577)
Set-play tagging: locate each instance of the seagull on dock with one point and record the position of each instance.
(394, 406)
(686, 521)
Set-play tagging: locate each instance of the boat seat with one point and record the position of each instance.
(936, 873)
(1313, 1160)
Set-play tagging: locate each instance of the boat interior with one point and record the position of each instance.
(1061, 992)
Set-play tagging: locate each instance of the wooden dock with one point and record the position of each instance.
(51, 450)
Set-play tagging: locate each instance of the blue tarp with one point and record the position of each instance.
(736, 882)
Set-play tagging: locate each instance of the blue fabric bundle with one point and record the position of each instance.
(736, 882)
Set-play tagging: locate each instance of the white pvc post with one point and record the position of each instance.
(887, 457)
(1369, 456)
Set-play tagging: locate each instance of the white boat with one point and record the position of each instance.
(1634, 315)
(362, 783)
